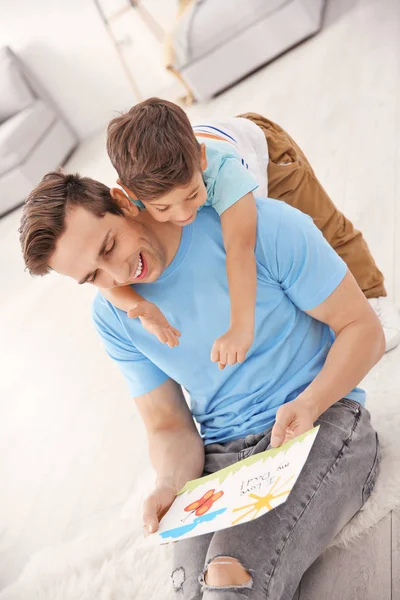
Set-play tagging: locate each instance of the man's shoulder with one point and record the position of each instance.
(100, 304)
(278, 224)
(103, 312)
(271, 213)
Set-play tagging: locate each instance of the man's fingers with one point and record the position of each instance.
(284, 417)
(175, 331)
(277, 435)
(150, 519)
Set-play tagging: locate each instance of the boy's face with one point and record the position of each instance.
(179, 206)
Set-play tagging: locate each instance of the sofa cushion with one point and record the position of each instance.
(209, 24)
(15, 92)
(20, 133)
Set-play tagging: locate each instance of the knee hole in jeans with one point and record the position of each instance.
(225, 571)
(178, 579)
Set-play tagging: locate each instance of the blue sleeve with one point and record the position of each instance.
(232, 182)
(140, 373)
(308, 269)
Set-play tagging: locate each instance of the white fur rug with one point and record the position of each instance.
(109, 564)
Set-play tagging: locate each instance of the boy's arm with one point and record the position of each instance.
(152, 319)
(176, 449)
(125, 297)
(239, 228)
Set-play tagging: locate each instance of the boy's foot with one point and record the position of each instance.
(389, 317)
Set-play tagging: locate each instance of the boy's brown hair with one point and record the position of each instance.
(44, 212)
(153, 148)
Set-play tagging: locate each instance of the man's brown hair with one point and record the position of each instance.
(153, 148)
(44, 212)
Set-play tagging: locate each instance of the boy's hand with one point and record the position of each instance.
(232, 347)
(155, 506)
(292, 419)
(154, 322)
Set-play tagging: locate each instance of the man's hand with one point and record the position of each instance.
(156, 505)
(232, 347)
(155, 323)
(292, 419)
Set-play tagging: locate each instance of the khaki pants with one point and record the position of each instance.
(291, 178)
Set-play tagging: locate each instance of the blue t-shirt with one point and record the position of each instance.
(296, 271)
(226, 177)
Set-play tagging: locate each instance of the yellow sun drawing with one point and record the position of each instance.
(262, 501)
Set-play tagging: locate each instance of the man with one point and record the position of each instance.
(316, 338)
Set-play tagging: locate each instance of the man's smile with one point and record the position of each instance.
(141, 269)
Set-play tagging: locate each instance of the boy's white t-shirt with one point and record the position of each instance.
(246, 138)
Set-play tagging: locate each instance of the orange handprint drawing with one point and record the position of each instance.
(203, 504)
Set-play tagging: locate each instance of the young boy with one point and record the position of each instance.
(172, 170)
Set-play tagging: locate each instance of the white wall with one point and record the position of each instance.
(66, 45)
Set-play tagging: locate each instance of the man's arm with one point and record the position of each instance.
(176, 449)
(359, 345)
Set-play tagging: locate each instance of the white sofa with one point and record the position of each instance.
(217, 42)
(34, 137)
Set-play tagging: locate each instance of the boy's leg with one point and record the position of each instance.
(265, 559)
(291, 178)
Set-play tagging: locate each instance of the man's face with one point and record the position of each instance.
(108, 251)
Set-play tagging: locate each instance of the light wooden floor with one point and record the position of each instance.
(368, 570)
(69, 432)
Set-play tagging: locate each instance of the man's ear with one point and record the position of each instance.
(124, 202)
(203, 157)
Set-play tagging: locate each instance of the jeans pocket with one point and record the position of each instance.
(353, 404)
(373, 474)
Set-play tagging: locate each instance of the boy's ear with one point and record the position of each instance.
(203, 157)
(123, 201)
(127, 190)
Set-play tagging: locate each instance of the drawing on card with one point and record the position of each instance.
(242, 492)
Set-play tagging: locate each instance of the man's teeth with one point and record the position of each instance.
(139, 268)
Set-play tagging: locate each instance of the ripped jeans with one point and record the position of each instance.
(265, 559)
